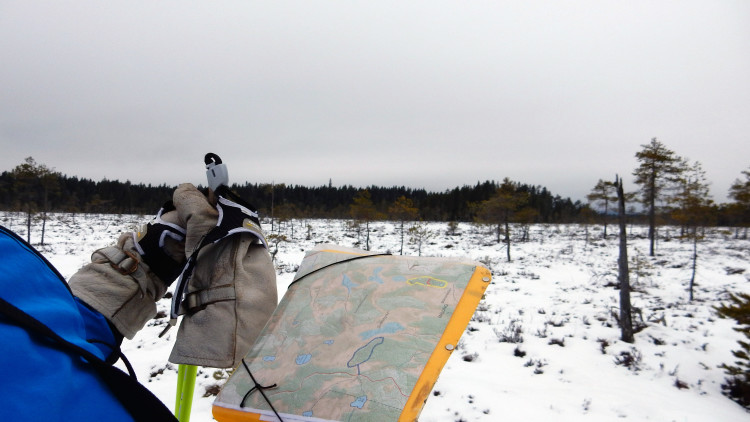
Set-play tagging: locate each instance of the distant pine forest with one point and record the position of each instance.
(34, 188)
(73, 194)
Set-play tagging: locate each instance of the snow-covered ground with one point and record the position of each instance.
(544, 344)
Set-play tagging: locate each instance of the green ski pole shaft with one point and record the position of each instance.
(180, 381)
(186, 375)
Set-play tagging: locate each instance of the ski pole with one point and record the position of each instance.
(217, 175)
(186, 375)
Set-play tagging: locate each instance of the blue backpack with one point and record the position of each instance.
(56, 352)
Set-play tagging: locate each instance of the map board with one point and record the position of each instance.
(358, 336)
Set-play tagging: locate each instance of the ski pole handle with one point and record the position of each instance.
(216, 171)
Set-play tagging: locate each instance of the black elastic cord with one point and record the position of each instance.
(117, 354)
(339, 262)
(259, 388)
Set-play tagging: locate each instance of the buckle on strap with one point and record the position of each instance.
(127, 265)
(198, 300)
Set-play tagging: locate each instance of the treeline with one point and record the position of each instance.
(71, 194)
(34, 187)
(680, 198)
(457, 204)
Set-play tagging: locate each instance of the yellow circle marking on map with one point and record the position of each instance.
(427, 282)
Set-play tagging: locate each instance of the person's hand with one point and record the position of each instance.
(231, 292)
(123, 282)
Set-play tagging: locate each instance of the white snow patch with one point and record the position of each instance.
(557, 291)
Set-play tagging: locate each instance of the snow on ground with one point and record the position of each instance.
(543, 345)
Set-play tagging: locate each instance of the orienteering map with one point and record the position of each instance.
(351, 338)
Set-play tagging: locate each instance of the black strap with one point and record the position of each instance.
(227, 193)
(258, 387)
(139, 402)
(151, 246)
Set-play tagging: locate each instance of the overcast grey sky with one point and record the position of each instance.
(427, 94)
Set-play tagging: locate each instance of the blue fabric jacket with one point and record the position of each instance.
(55, 352)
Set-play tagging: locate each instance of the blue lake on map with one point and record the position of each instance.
(303, 359)
(389, 328)
(359, 403)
